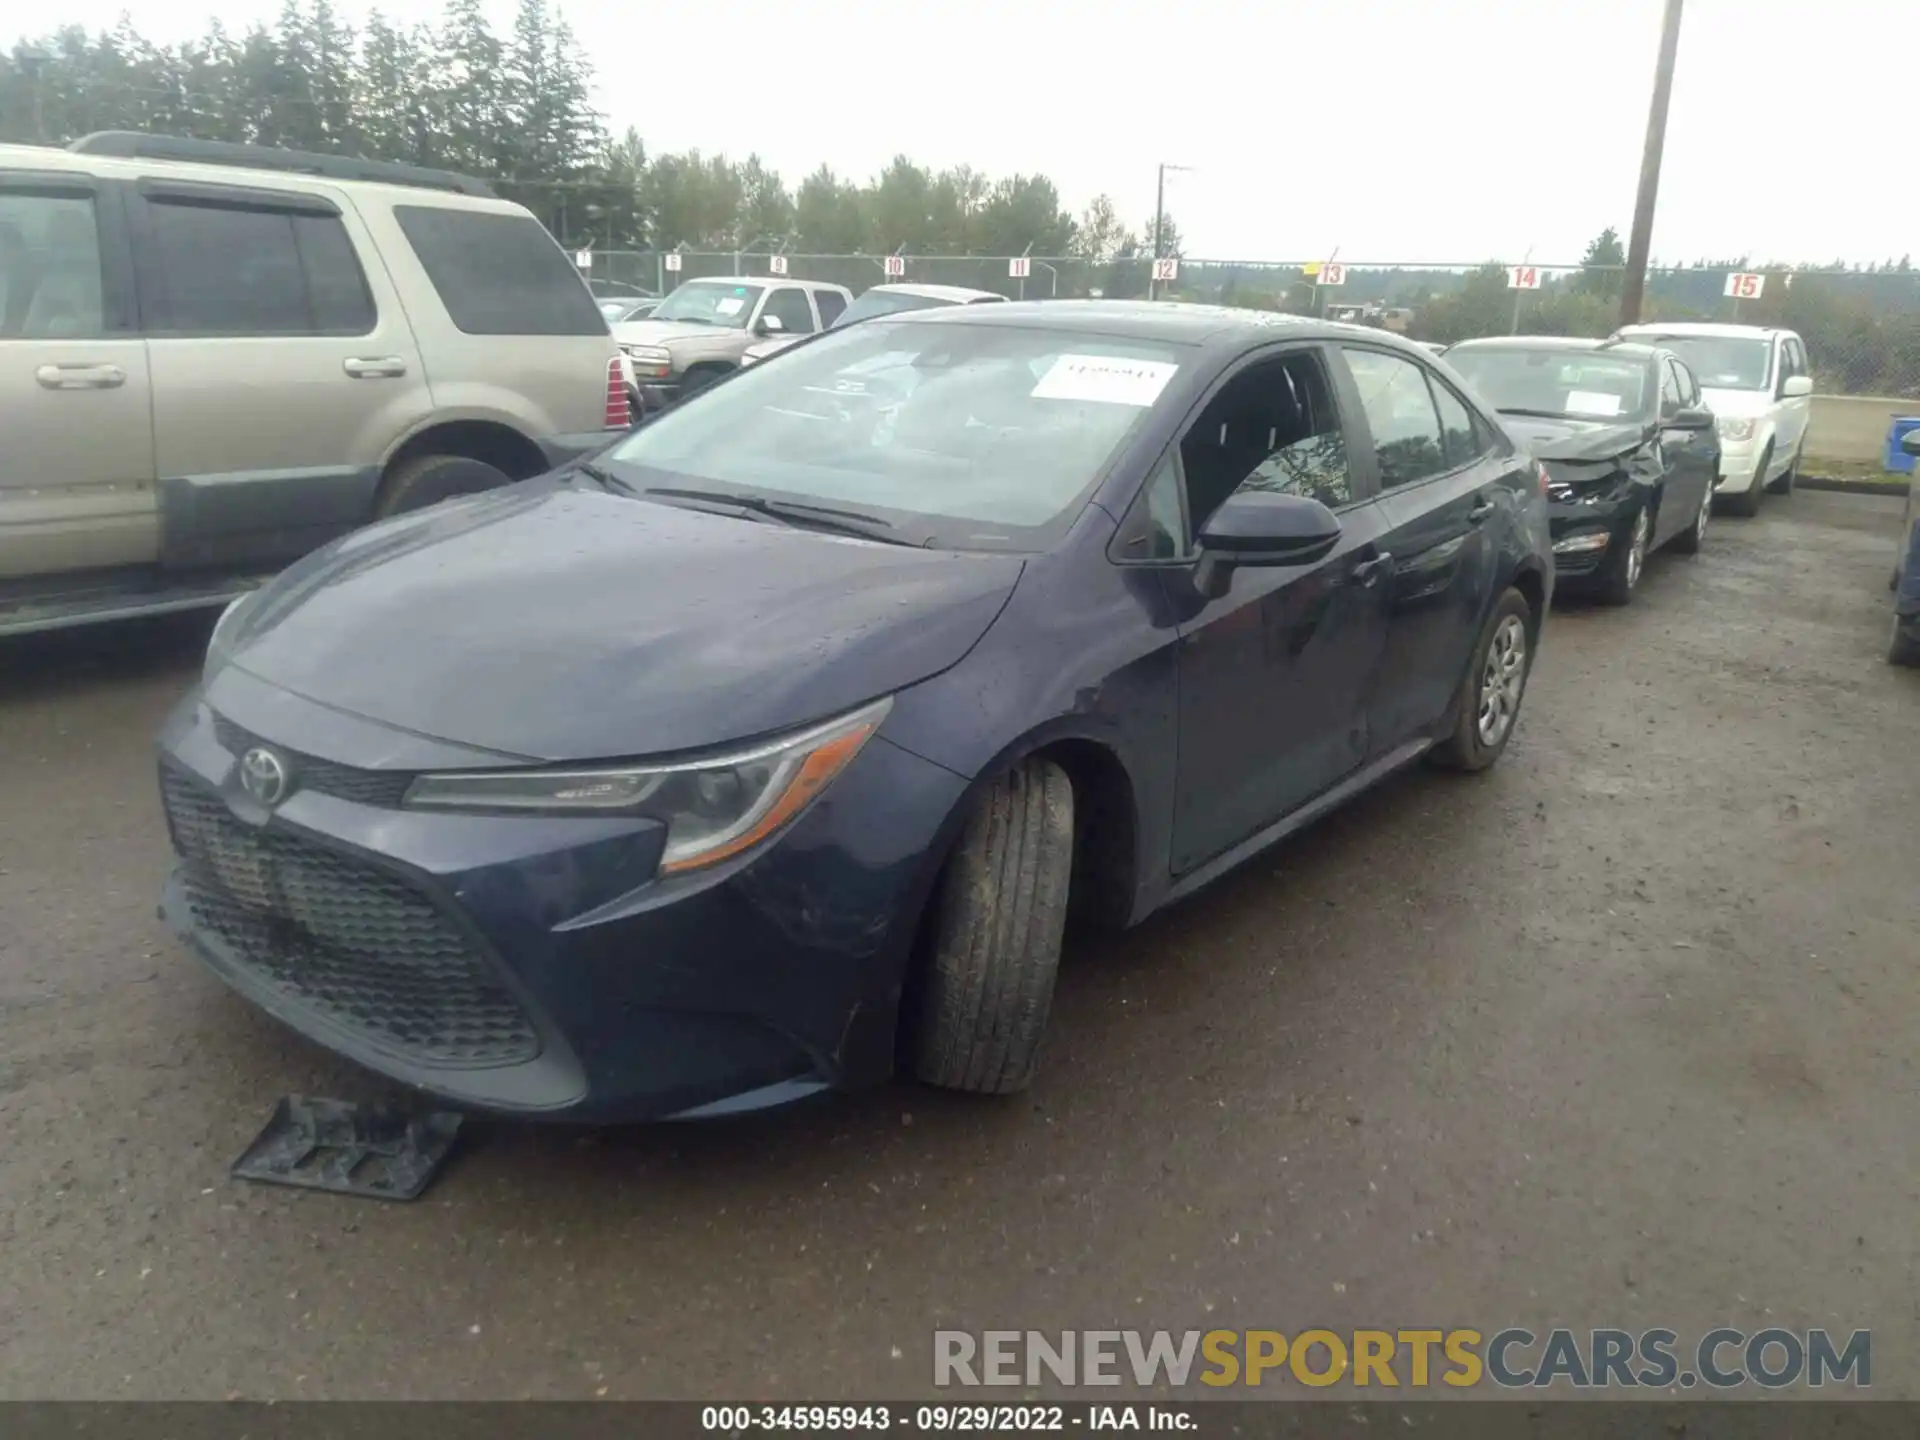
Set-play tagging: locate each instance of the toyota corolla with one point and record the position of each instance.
(774, 747)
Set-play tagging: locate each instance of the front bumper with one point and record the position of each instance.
(1586, 531)
(536, 966)
(1739, 467)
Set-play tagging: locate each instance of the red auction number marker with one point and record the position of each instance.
(1523, 277)
(1744, 285)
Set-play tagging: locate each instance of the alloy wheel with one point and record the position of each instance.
(1502, 679)
(1637, 548)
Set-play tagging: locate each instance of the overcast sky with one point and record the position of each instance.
(1391, 129)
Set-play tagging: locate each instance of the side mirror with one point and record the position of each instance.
(1690, 417)
(1910, 442)
(770, 325)
(1262, 527)
(1794, 387)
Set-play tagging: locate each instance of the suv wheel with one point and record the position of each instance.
(997, 922)
(428, 479)
(1748, 502)
(1488, 705)
(1784, 485)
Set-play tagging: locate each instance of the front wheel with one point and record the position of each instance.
(1747, 503)
(1903, 647)
(996, 927)
(1621, 577)
(1492, 689)
(1784, 485)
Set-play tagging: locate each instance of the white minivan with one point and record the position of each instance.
(1757, 383)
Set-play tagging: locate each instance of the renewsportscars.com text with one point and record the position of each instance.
(1513, 1358)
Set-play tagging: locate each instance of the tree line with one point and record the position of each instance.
(516, 109)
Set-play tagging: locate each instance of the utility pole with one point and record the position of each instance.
(1641, 242)
(1159, 220)
(33, 62)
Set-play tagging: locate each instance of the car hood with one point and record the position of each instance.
(1740, 404)
(1574, 440)
(665, 332)
(557, 622)
(761, 349)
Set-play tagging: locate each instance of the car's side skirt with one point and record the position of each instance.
(1299, 819)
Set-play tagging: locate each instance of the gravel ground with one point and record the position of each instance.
(1620, 1034)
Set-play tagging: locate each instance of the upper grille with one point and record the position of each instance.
(385, 788)
(343, 938)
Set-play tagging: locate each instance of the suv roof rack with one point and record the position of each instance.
(137, 145)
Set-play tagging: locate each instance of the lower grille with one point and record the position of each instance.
(343, 938)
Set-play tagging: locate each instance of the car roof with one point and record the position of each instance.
(959, 294)
(1171, 322)
(46, 158)
(1557, 342)
(1705, 328)
(763, 280)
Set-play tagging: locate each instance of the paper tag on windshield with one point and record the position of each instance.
(1108, 379)
(1592, 402)
(729, 305)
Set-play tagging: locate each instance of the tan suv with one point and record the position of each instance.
(214, 358)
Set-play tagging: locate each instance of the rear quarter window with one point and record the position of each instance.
(499, 274)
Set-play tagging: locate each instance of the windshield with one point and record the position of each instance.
(1719, 362)
(710, 302)
(1571, 385)
(980, 437)
(887, 302)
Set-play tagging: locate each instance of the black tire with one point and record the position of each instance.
(1784, 485)
(1466, 748)
(1689, 540)
(1903, 646)
(1620, 576)
(699, 378)
(1747, 504)
(428, 479)
(995, 942)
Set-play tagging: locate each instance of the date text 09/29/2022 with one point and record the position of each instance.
(945, 1419)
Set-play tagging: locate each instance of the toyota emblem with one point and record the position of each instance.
(263, 775)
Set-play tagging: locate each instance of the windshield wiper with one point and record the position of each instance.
(793, 512)
(681, 319)
(1544, 414)
(606, 477)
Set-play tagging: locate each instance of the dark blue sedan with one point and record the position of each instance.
(777, 745)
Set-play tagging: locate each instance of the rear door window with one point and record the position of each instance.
(499, 274)
(832, 304)
(242, 269)
(1400, 413)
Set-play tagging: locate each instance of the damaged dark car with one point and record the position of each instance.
(770, 749)
(1630, 449)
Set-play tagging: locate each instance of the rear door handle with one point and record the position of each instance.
(80, 377)
(1482, 508)
(1368, 571)
(384, 367)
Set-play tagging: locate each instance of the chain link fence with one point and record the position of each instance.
(1862, 327)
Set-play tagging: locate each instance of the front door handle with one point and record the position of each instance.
(80, 377)
(1368, 571)
(1482, 508)
(384, 367)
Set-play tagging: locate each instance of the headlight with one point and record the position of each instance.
(1732, 429)
(652, 361)
(713, 808)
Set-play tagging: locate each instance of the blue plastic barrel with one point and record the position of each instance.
(1897, 460)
